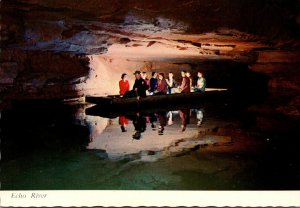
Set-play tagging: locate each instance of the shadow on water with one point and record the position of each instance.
(214, 145)
(31, 127)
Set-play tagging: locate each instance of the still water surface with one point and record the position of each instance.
(217, 146)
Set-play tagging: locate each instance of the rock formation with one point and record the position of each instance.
(62, 49)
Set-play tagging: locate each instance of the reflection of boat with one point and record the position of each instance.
(117, 101)
(153, 104)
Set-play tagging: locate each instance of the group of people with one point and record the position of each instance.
(159, 85)
(161, 118)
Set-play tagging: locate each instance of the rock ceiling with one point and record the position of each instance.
(209, 29)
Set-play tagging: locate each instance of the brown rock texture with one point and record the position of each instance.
(43, 75)
(282, 66)
(47, 46)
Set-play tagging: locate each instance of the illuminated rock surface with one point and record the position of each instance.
(129, 35)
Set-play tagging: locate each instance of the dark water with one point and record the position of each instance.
(216, 146)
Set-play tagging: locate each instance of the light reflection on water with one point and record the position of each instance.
(61, 147)
(139, 132)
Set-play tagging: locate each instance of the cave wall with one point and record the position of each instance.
(282, 66)
(49, 75)
(236, 76)
(41, 75)
(106, 72)
(62, 49)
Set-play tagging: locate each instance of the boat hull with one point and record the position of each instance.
(113, 106)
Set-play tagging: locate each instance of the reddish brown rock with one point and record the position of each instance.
(278, 57)
(292, 108)
(283, 68)
(35, 74)
(288, 110)
(279, 82)
(270, 68)
(45, 41)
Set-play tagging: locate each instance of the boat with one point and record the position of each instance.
(116, 100)
(117, 104)
(113, 112)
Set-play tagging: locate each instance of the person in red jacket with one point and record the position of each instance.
(185, 84)
(162, 88)
(124, 84)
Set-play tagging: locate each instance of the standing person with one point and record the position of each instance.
(124, 84)
(188, 75)
(153, 82)
(170, 82)
(185, 83)
(201, 83)
(144, 76)
(140, 85)
(162, 88)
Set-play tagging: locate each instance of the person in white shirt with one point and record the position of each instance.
(171, 82)
(201, 83)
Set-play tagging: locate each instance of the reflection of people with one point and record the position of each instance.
(162, 118)
(162, 88)
(185, 83)
(185, 118)
(139, 123)
(201, 83)
(124, 84)
(199, 115)
(170, 118)
(153, 120)
(123, 121)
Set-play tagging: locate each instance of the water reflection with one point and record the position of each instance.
(64, 147)
(159, 120)
(185, 118)
(139, 123)
(199, 113)
(129, 133)
(37, 127)
(123, 121)
(162, 118)
(152, 130)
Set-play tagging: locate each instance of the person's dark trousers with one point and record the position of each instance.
(169, 90)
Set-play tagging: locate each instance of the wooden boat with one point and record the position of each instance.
(113, 103)
(113, 112)
(116, 100)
